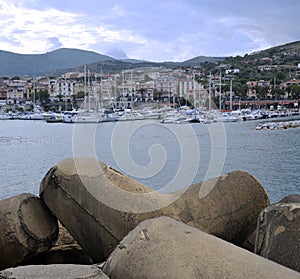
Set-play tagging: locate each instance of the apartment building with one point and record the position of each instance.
(61, 88)
(16, 91)
(166, 84)
(253, 86)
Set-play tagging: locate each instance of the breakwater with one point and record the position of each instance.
(128, 230)
(278, 125)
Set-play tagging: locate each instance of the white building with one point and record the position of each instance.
(234, 71)
(166, 84)
(61, 87)
(190, 89)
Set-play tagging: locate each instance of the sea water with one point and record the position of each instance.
(164, 157)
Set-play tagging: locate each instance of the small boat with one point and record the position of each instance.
(31, 116)
(54, 119)
(111, 117)
(182, 120)
(85, 119)
(176, 120)
(225, 117)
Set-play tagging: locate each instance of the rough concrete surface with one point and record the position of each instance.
(278, 234)
(27, 229)
(164, 248)
(60, 271)
(99, 206)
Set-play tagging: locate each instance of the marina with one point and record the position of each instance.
(165, 114)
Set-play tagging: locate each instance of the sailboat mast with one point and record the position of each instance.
(194, 91)
(220, 92)
(84, 87)
(34, 90)
(89, 90)
(101, 104)
(209, 98)
(65, 92)
(230, 94)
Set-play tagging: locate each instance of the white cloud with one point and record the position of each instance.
(149, 30)
(36, 26)
(74, 30)
(53, 43)
(185, 54)
(117, 53)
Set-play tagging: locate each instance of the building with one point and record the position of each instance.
(232, 71)
(16, 91)
(61, 88)
(290, 83)
(166, 84)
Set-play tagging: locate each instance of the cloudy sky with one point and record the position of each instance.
(157, 30)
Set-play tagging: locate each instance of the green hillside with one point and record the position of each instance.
(12, 64)
(202, 59)
(285, 57)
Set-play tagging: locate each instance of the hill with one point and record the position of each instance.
(274, 65)
(67, 59)
(282, 49)
(14, 64)
(202, 59)
(280, 62)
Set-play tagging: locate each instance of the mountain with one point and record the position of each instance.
(62, 60)
(13, 64)
(68, 59)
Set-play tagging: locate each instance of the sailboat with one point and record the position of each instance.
(226, 116)
(89, 108)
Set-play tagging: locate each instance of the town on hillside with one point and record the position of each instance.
(176, 87)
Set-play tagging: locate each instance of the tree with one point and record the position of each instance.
(43, 95)
(295, 89)
(236, 87)
(277, 92)
(261, 91)
(147, 78)
(226, 88)
(15, 78)
(80, 95)
(243, 93)
(280, 76)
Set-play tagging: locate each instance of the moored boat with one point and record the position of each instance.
(54, 119)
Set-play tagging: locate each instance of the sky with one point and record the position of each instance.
(157, 30)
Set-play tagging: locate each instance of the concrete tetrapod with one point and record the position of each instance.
(278, 234)
(61, 271)
(27, 228)
(99, 205)
(165, 248)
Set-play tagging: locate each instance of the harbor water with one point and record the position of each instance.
(155, 154)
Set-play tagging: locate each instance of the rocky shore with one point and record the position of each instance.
(91, 221)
